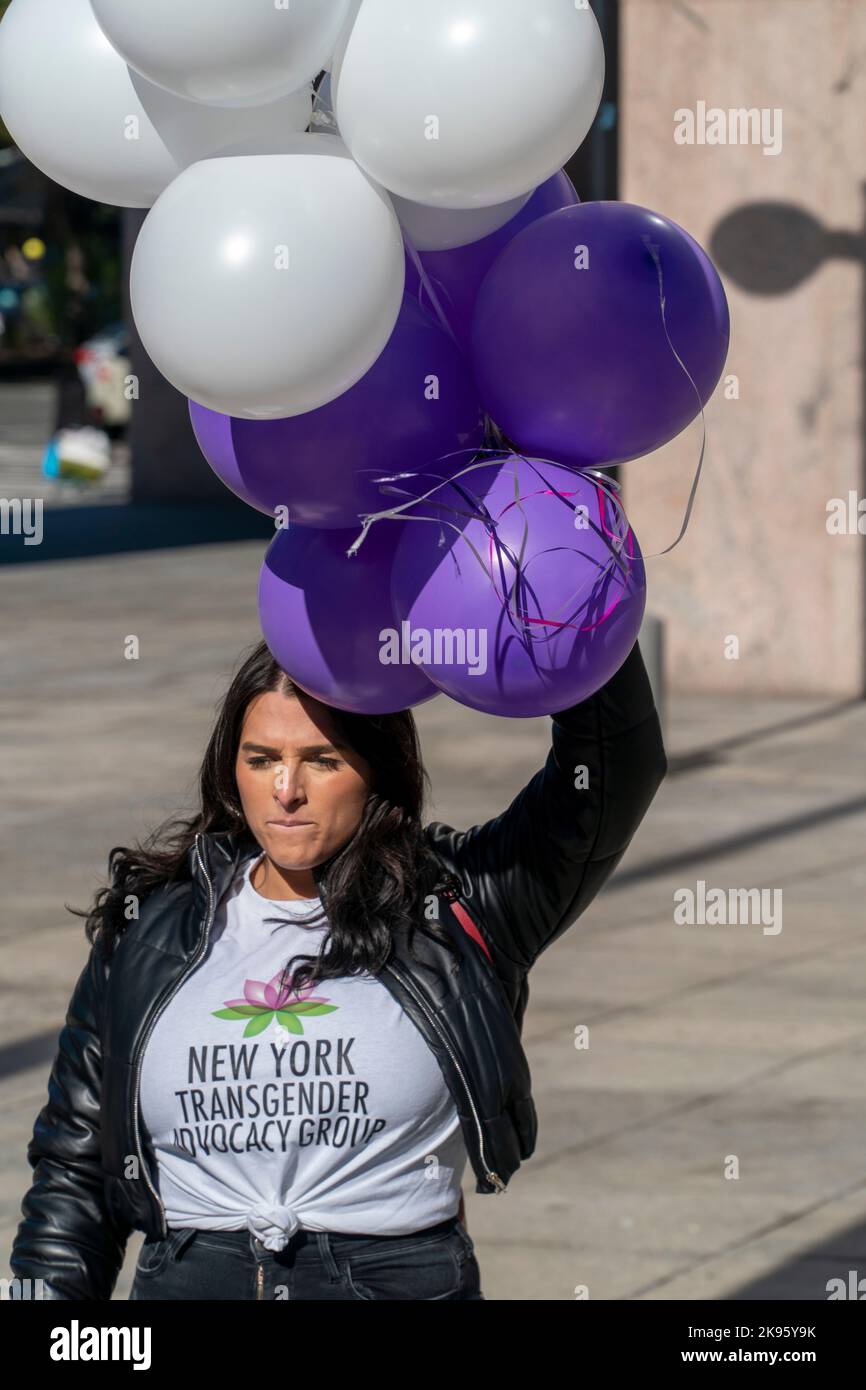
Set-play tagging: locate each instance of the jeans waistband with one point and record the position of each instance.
(182, 1236)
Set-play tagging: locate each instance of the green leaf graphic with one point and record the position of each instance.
(314, 1010)
(258, 1025)
(289, 1021)
(239, 1011)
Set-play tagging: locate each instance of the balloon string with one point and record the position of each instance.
(550, 622)
(520, 569)
(323, 108)
(654, 252)
(387, 484)
(426, 284)
(323, 116)
(502, 555)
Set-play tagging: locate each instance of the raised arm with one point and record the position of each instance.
(529, 873)
(68, 1238)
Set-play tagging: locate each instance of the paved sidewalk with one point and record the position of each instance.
(708, 1044)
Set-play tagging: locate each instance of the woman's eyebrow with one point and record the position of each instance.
(277, 753)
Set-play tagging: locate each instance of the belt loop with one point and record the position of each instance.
(327, 1256)
(180, 1239)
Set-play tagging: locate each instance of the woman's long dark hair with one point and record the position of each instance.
(372, 887)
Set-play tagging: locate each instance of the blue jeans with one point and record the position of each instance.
(438, 1262)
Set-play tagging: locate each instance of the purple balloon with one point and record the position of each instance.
(456, 275)
(574, 364)
(322, 465)
(527, 608)
(322, 615)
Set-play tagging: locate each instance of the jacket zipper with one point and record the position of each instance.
(260, 1279)
(489, 1175)
(153, 1018)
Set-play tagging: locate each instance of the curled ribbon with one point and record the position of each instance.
(606, 484)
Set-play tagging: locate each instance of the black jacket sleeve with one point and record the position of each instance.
(530, 872)
(68, 1238)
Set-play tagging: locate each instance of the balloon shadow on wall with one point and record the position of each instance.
(771, 248)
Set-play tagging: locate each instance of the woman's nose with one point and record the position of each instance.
(288, 784)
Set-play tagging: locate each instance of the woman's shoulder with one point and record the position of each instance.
(147, 915)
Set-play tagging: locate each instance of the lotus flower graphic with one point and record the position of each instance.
(262, 1002)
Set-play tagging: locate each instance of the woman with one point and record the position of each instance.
(300, 1018)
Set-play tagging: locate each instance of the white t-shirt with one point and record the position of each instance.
(274, 1112)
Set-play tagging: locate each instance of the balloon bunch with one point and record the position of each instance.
(364, 266)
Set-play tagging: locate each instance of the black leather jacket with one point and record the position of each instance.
(524, 877)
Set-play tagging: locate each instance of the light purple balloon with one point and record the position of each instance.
(418, 400)
(578, 593)
(456, 275)
(322, 615)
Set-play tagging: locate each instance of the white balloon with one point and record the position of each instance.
(78, 113)
(467, 103)
(266, 286)
(225, 52)
(444, 229)
(191, 131)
